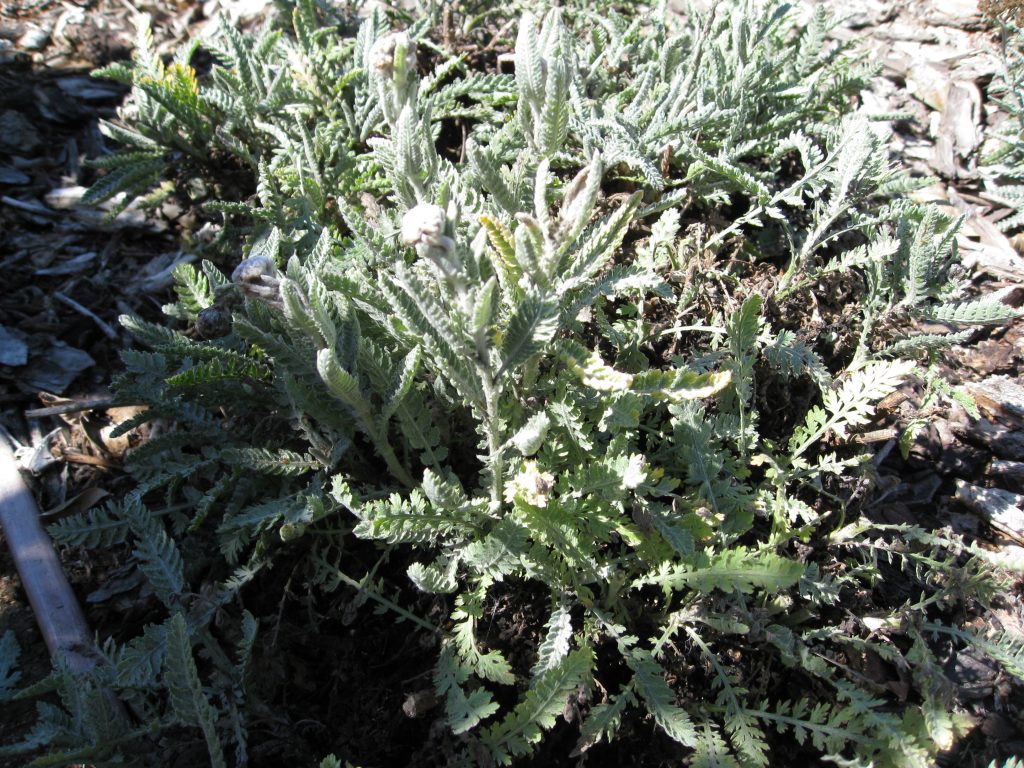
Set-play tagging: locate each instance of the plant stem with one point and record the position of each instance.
(390, 605)
(492, 427)
(394, 465)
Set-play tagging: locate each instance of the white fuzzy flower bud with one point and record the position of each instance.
(424, 225)
(382, 53)
(251, 270)
(257, 277)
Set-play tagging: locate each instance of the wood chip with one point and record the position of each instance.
(1001, 397)
(958, 130)
(1003, 510)
(1003, 442)
(1007, 470)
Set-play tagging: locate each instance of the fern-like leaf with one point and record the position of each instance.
(158, 555)
(660, 699)
(734, 570)
(542, 704)
(533, 325)
(100, 527)
(188, 700)
(464, 711)
(9, 674)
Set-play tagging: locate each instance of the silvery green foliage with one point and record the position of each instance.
(9, 653)
(1004, 163)
(464, 354)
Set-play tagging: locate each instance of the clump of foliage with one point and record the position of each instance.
(1004, 164)
(527, 333)
(1002, 9)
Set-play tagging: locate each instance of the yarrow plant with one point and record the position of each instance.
(1004, 162)
(526, 333)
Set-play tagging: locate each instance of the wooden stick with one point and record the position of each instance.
(57, 612)
(109, 332)
(75, 406)
(77, 457)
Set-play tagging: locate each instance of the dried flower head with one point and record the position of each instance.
(382, 53)
(424, 225)
(213, 322)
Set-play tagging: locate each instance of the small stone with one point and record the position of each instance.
(1001, 396)
(65, 198)
(54, 368)
(972, 673)
(89, 89)
(419, 703)
(1004, 443)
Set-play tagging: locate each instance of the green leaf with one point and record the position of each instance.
(406, 380)
(529, 438)
(673, 386)
(188, 701)
(143, 657)
(130, 178)
(192, 288)
(598, 245)
(554, 116)
(541, 706)
(987, 310)
(9, 675)
(464, 711)
(444, 492)
(158, 555)
(660, 699)
(484, 309)
(555, 645)
(503, 243)
(602, 723)
(298, 313)
(743, 326)
(529, 63)
(735, 570)
(432, 326)
(97, 528)
(532, 325)
(266, 461)
(340, 382)
(853, 403)
(436, 578)
(578, 201)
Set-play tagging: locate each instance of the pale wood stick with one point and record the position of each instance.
(56, 609)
